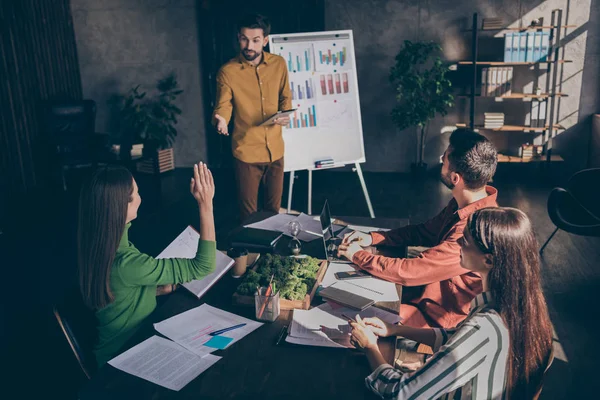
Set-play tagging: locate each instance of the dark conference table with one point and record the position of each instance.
(254, 367)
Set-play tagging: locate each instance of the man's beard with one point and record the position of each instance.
(253, 55)
(445, 179)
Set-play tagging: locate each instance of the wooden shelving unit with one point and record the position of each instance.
(512, 159)
(549, 128)
(514, 128)
(512, 63)
(519, 96)
(523, 29)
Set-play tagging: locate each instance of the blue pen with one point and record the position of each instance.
(226, 330)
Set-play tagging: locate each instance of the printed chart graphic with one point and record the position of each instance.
(333, 56)
(302, 89)
(305, 117)
(334, 83)
(299, 58)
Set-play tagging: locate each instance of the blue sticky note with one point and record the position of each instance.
(219, 342)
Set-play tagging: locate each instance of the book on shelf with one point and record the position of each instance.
(492, 23)
(529, 46)
(496, 81)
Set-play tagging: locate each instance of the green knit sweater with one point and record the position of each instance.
(133, 280)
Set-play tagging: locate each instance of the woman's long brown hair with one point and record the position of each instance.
(514, 282)
(102, 215)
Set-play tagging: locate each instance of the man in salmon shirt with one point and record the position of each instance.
(439, 291)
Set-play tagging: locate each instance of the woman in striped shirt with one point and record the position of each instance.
(502, 348)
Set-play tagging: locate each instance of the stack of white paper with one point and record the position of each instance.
(369, 287)
(185, 246)
(163, 362)
(191, 329)
(325, 326)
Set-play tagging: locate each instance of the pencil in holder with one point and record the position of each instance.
(266, 306)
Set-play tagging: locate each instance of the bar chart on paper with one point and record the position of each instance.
(334, 83)
(302, 89)
(305, 117)
(333, 56)
(298, 59)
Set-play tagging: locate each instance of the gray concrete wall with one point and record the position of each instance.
(381, 26)
(123, 43)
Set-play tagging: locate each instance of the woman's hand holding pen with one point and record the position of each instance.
(362, 239)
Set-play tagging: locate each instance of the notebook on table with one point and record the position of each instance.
(255, 239)
(185, 246)
(346, 298)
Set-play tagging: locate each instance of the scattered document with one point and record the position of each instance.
(163, 362)
(310, 229)
(366, 229)
(191, 329)
(185, 246)
(370, 287)
(325, 326)
(276, 223)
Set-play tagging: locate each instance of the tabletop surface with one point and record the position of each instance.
(254, 365)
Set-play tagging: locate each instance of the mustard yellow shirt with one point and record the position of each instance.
(252, 94)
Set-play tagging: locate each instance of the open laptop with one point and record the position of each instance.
(330, 241)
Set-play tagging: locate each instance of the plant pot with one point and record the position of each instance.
(157, 162)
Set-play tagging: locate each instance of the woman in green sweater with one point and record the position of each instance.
(116, 280)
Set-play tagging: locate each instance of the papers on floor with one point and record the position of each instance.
(191, 329)
(370, 287)
(185, 246)
(324, 325)
(163, 362)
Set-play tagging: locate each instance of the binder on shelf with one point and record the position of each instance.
(509, 76)
(530, 41)
(484, 72)
(515, 47)
(545, 46)
(522, 46)
(508, 47)
(537, 46)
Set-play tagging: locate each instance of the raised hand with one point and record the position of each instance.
(202, 185)
(348, 250)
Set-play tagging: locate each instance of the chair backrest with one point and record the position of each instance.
(584, 186)
(550, 360)
(79, 325)
(69, 124)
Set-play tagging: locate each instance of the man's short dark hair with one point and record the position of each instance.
(255, 21)
(472, 156)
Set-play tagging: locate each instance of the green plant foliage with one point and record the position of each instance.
(293, 277)
(152, 120)
(422, 88)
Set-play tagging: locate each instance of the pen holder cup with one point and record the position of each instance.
(266, 307)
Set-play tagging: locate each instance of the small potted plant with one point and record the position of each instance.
(422, 91)
(152, 121)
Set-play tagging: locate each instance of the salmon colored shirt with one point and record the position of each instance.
(251, 94)
(448, 288)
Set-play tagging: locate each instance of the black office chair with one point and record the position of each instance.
(69, 127)
(79, 325)
(576, 208)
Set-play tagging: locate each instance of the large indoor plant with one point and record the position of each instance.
(422, 90)
(151, 120)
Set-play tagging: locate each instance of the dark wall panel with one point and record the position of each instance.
(38, 62)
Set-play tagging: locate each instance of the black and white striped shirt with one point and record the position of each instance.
(469, 362)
